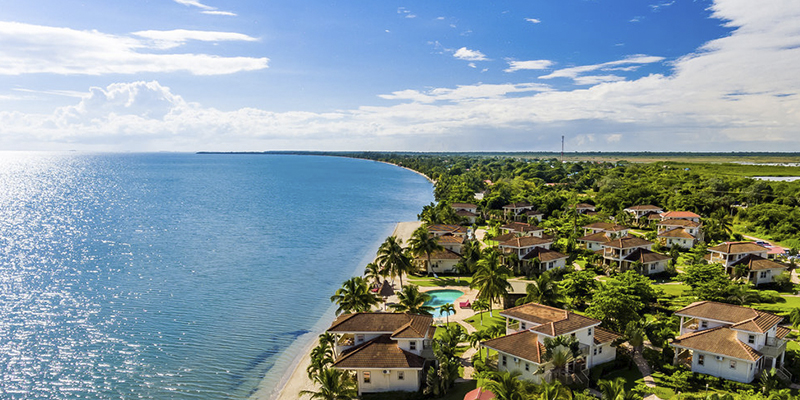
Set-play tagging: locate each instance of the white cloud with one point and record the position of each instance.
(530, 64)
(225, 13)
(658, 6)
(533, 20)
(469, 55)
(739, 92)
(595, 79)
(637, 18)
(177, 37)
(31, 49)
(574, 72)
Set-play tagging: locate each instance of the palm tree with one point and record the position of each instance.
(423, 243)
(393, 259)
(543, 290)
(372, 272)
(635, 334)
(321, 358)
(448, 308)
(333, 384)
(354, 296)
(794, 317)
(506, 386)
(491, 279)
(614, 390)
(470, 255)
(554, 391)
(512, 262)
(480, 305)
(411, 300)
(558, 354)
(475, 339)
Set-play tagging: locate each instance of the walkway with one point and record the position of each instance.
(644, 369)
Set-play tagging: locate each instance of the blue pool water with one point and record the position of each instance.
(178, 276)
(442, 297)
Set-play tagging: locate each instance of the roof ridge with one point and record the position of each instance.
(356, 349)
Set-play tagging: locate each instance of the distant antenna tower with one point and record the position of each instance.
(562, 149)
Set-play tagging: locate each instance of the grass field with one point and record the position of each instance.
(676, 290)
(429, 281)
(475, 321)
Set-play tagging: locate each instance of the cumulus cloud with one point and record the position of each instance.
(533, 20)
(31, 48)
(530, 64)
(469, 55)
(739, 92)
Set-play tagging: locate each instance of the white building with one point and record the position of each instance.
(523, 350)
(524, 244)
(730, 342)
(629, 249)
(684, 233)
(387, 351)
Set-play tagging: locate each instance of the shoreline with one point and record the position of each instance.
(294, 379)
(406, 168)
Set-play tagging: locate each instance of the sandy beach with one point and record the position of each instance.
(297, 380)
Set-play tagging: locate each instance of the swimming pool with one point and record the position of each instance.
(441, 297)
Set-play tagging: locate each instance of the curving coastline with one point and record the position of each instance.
(294, 378)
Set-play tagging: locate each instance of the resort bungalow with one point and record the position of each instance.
(548, 259)
(643, 210)
(514, 210)
(534, 215)
(629, 249)
(612, 231)
(442, 261)
(731, 252)
(759, 270)
(730, 342)
(451, 242)
(386, 351)
(466, 211)
(523, 350)
(522, 229)
(683, 233)
(585, 208)
(523, 245)
(442, 229)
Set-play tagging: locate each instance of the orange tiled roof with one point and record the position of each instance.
(720, 340)
(381, 322)
(742, 318)
(604, 336)
(679, 222)
(676, 233)
(679, 214)
(450, 239)
(552, 321)
(523, 344)
(738, 248)
(381, 352)
(444, 254)
(527, 241)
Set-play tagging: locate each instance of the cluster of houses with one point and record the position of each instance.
(390, 351)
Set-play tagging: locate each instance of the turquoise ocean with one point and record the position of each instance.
(179, 276)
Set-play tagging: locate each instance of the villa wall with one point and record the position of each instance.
(380, 382)
(743, 371)
(609, 353)
(442, 266)
(519, 365)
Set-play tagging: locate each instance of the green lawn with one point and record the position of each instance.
(429, 281)
(475, 321)
(780, 308)
(674, 290)
(631, 375)
(460, 390)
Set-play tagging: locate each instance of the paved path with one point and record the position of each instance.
(641, 364)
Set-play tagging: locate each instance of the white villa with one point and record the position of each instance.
(466, 210)
(643, 210)
(760, 270)
(442, 229)
(600, 233)
(522, 349)
(442, 261)
(522, 245)
(451, 242)
(684, 233)
(522, 229)
(387, 351)
(548, 259)
(514, 210)
(688, 215)
(730, 342)
(629, 249)
(584, 208)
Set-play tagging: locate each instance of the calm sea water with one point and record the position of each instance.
(177, 276)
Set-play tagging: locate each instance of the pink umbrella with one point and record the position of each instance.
(479, 394)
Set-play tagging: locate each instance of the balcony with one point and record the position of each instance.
(774, 347)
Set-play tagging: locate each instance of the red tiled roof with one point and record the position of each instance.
(523, 344)
(738, 248)
(679, 214)
(504, 237)
(521, 227)
(378, 353)
(679, 222)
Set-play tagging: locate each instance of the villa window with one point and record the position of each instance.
(527, 367)
(504, 361)
(763, 274)
(733, 364)
(522, 325)
(594, 352)
(701, 359)
(367, 377)
(751, 339)
(412, 345)
(590, 332)
(400, 375)
(359, 338)
(704, 324)
(599, 349)
(652, 267)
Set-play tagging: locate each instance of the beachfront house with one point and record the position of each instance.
(446, 229)
(729, 341)
(756, 269)
(626, 251)
(451, 242)
(386, 351)
(442, 261)
(729, 253)
(522, 349)
(548, 260)
(467, 211)
(684, 233)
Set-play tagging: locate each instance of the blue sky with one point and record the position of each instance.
(189, 75)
